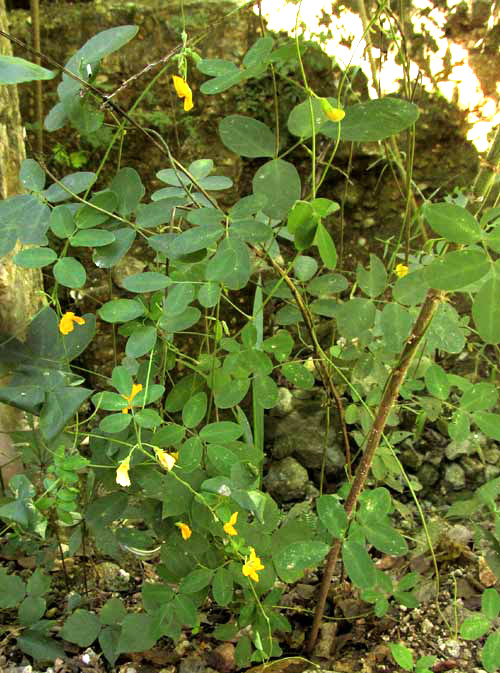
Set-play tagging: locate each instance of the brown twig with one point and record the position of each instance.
(396, 378)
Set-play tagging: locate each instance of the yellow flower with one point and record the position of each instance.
(186, 531)
(334, 114)
(122, 477)
(229, 527)
(166, 460)
(251, 566)
(183, 90)
(66, 322)
(401, 270)
(136, 388)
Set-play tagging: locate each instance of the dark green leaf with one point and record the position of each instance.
(279, 182)
(14, 70)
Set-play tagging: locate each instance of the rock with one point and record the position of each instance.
(192, 664)
(454, 475)
(111, 577)
(301, 435)
(285, 403)
(286, 480)
(492, 455)
(455, 449)
(491, 471)
(222, 658)
(460, 534)
(127, 266)
(427, 475)
(411, 458)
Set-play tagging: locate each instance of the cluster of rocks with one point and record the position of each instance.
(295, 429)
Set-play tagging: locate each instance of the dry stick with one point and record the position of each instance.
(432, 300)
(321, 357)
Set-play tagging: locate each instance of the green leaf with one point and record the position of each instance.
(121, 310)
(402, 656)
(182, 391)
(185, 610)
(437, 382)
(452, 222)
(475, 627)
(14, 70)
(222, 587)
(479, 397)
(457, 269)
(488, 423)
(61, 222)
(291, 561)
(38, 583)
(396, 323)
(298, 375)
(374, 120)
(75, 183)
(216, 67)
(299, 119)
(82, 628)
(490, 654)
(305, 267)
(230, 264)
(195, 581)
(194, 410)
(222, 83)
(222, 431)
(246, 136)
(486, 310)
(490, 603)
(302, 223)
(243, 652)
(109, 638)
(141, 341)
(89, 217)
(411, 289)
(192, 240)
(181, 321)
(128, 187)
(31, 610)
(36, 645)
(279, 182)
(355, 318)
(147, 281)
(259, 52)
(359, 565)
(110, 255)
(113, 611)
(148, 418)
(170, 435)
(280, 345)
(332, 515)
(115, 423)
(60, 406)
(327, 284)
(92, 238)
(32, 175)
(209, 294)
(35, 258)
(373, 280)
(12, 590)
(191, 454)
(265, 391)
(154, 595)
(383, 537)
(229, 394)
(70, 273)
(138, 633)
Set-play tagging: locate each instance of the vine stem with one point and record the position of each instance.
(396, 378)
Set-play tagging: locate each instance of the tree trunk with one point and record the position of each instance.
(20, 295)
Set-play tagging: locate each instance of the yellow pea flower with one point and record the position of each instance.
(229, 527)
(136, 388)
(183, 90)
(166, 460)
(251, 566)
(334, 114)
(401, 270)
(122, 477)
(66, 322)
(186, 531)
